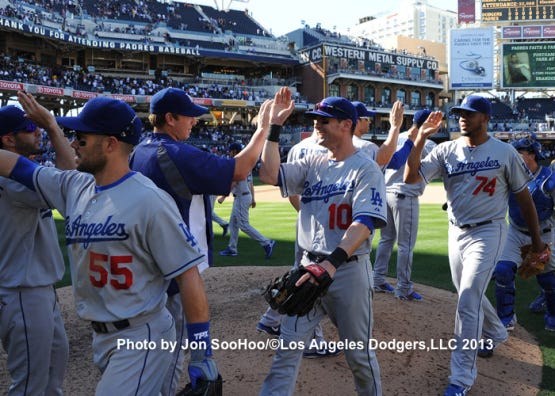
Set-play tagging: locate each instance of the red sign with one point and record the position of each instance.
(50, 90)
(83, 94)
(467, 11)
(125, 98)
(13, 86)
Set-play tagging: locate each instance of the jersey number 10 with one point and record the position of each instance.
(340, 216)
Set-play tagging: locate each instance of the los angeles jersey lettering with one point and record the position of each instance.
(121, 260)
(333, 197)
(476, 177)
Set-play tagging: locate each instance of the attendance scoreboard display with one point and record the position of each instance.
(517, 10)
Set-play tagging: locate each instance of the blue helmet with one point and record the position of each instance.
(529, 144)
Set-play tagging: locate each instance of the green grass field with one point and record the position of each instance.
(431, 267)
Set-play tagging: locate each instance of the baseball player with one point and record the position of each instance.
(191, 176)
(542, 189)
(383, 154)
(122, 251)
(31, 327)
(539, 303)
(478, 173)
(221, 222)
(243, 194)
(270, 321)
(402, 221)
(341, 204)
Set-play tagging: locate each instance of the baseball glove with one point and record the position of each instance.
(203, 388)
(533, 263)
(286, 298)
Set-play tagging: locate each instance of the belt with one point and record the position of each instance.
(110, 327)
(544, 231)
(107, 327)
(472, 225)
(245, 193)
(318, 258)
(400, 196)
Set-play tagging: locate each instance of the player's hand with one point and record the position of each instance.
(36, 112)
(202, 367)
(253, 204)
(431, 125)
(282, 106)
(221, 199)
(263, 119)
(330, 269)
(396, 115)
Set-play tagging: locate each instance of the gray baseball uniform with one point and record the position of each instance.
(478, 181)
(306, 147)
(332, 194)
(239, 219)
(121, 266)
(402, 225)
(31, 326)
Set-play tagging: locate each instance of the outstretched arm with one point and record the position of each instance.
(65, 155)
(273, 112)
(386, 150)
(430, 126)
(282, 107)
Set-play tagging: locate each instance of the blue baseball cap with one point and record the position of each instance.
(106, 116)
(334, 107)
(12, 119)
(362, 110)
(175, 101)
(421, 116)
(474, 103)
(236, 146)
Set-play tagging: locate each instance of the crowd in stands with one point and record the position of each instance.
(29, 73)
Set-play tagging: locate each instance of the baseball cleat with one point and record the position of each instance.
(486, 352)
(549, 323)
(225, 229)
(539, 304)
(512, 323)
(228, 252)
(455, 390)
(270, 330)
(320, 353)
(414, 296)
(384, 288)
(269, 248)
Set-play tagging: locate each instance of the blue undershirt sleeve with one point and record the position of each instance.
(23, 172)
(366, 220)
(400, 157)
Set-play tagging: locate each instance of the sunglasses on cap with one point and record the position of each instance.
(327, 107)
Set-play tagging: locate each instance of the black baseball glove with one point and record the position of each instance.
(286, 298)
(203, 388)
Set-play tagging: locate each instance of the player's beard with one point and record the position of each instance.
(26, 148)
(95, 160)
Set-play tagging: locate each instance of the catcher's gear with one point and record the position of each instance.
(203, 388)
(533, 263)
(286, 298)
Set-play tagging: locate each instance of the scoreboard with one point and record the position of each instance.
(517, 10)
